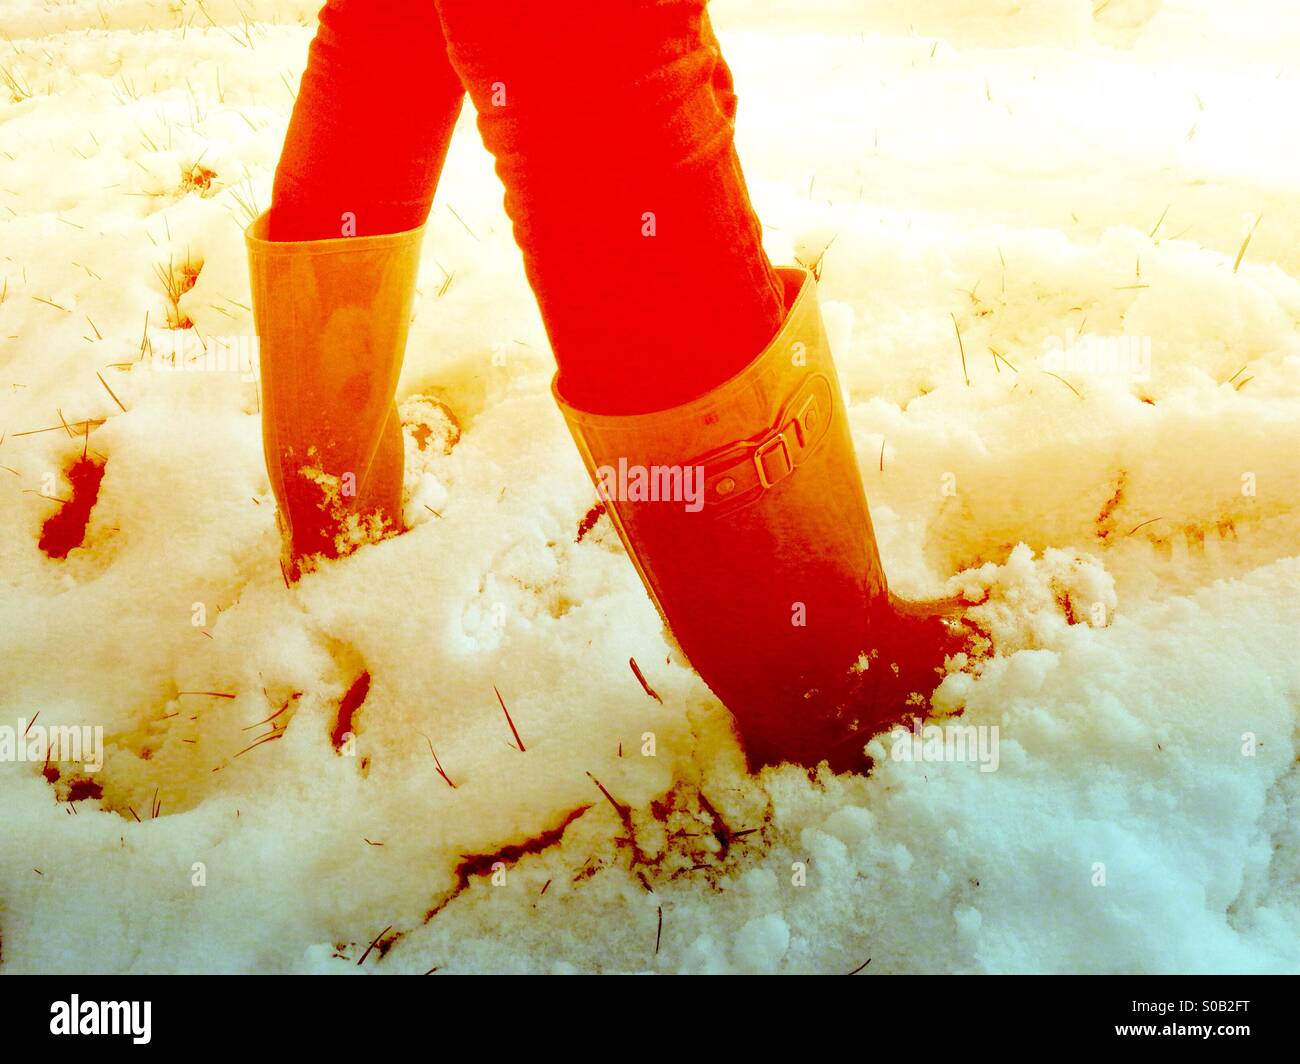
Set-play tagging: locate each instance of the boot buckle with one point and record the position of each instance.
(781, 464)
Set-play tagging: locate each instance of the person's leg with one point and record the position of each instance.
(370, 125)
(334, 262)
(611, 124)
(681, 351)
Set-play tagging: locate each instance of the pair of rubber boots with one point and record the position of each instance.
(742, 509)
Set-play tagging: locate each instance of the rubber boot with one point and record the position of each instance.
(332, 319)
(744, 513)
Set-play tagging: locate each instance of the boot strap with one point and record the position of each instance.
(739, 473)
(754, 429)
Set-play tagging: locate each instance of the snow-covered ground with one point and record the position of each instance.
(1108, 462)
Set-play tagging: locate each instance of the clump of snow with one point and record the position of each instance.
(1074, 385)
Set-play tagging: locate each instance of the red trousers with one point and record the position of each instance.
(611, 123)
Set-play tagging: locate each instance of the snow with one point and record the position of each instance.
(1049, 182)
